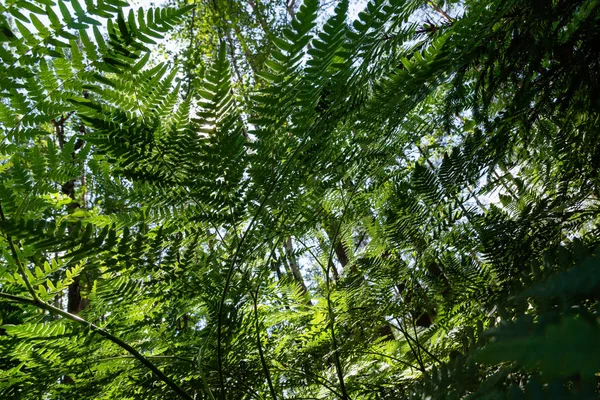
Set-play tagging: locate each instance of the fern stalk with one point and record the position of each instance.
(57, 311)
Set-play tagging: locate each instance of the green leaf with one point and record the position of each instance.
(17, 14)
(79, 11)
(54, 20)
(65, 12)
(100, 40)
(32, 7)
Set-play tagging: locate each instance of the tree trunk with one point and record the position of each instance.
(74, 301)
(293, 264)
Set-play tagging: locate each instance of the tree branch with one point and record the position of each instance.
(441, 12)
(54, 310)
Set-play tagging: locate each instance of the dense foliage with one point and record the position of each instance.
(298, 205)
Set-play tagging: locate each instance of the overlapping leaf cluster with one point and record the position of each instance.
(405, 207)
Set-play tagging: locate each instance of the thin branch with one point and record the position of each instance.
(407, 335)
(54, 310)
(323, 381)
(259, 344)
(254, 295)
(260, 17)
(130, 357)
(290, 6)
(415, 352)
(443, 13)
(391, 358)
(419, 346)
(338, 365)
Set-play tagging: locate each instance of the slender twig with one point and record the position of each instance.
(259, 344)
(290, 6)
(419, 346)
(260, 18)
(390, 357)
(257, 323)
(55, 310)
(336, 357)
(199, 365)
(415, 352)
(323, 381)
(443, 13)
(407, 335)
(130, 357)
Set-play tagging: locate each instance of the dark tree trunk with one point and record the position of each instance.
(74, 301)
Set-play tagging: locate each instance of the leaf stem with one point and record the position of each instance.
(54, 310)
